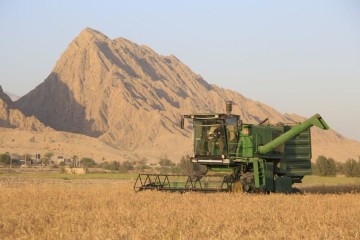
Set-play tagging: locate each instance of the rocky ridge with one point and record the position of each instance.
(14, 118)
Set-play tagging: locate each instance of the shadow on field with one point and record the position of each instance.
(331, 189)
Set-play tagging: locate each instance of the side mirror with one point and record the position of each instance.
(182, 123)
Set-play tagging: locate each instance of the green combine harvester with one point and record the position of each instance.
(241, 157)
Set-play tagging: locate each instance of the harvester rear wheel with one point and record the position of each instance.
(296, 191)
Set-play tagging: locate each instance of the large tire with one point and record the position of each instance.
(296, 191)
(237, 187)
(248, 182)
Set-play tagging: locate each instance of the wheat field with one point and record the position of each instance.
(107, 209)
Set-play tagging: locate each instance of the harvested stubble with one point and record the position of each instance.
(111, 210)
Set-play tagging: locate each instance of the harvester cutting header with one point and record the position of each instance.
(258, 158)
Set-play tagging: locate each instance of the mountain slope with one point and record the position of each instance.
(18, 141)
(13, 118)
(131, 97)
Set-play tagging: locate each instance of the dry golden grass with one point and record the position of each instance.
(109, 209)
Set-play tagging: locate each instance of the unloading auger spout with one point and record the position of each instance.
(315, 120)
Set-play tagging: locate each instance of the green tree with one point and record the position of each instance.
(45, 161)
(325, 166)
(87, 162)
(47, 157)
(339, 168)
(165, 162)
(128, 165)
(113, 166)
(5, 159)
(351, 168)
(332, 167)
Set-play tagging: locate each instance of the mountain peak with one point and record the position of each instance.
(89, 35)
(92, 32)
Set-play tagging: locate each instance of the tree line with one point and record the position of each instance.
(164, 165)
(324, 166)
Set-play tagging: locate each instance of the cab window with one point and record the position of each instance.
(210, 137)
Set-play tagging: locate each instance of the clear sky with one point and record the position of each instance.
(297, 56)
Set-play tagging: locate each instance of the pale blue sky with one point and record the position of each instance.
(296, 56)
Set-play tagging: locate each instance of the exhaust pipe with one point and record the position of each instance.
(229, 107)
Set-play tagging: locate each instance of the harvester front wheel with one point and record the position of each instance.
(237, 187)
(248, 182)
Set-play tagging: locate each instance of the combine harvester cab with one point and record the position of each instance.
(251, 158)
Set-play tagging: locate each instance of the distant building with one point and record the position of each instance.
(15, 160)
(68, 161)
(61, 158)
(58, 159)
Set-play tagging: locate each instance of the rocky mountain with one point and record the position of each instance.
(13, 118)
(20, 134)
(132, 98)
